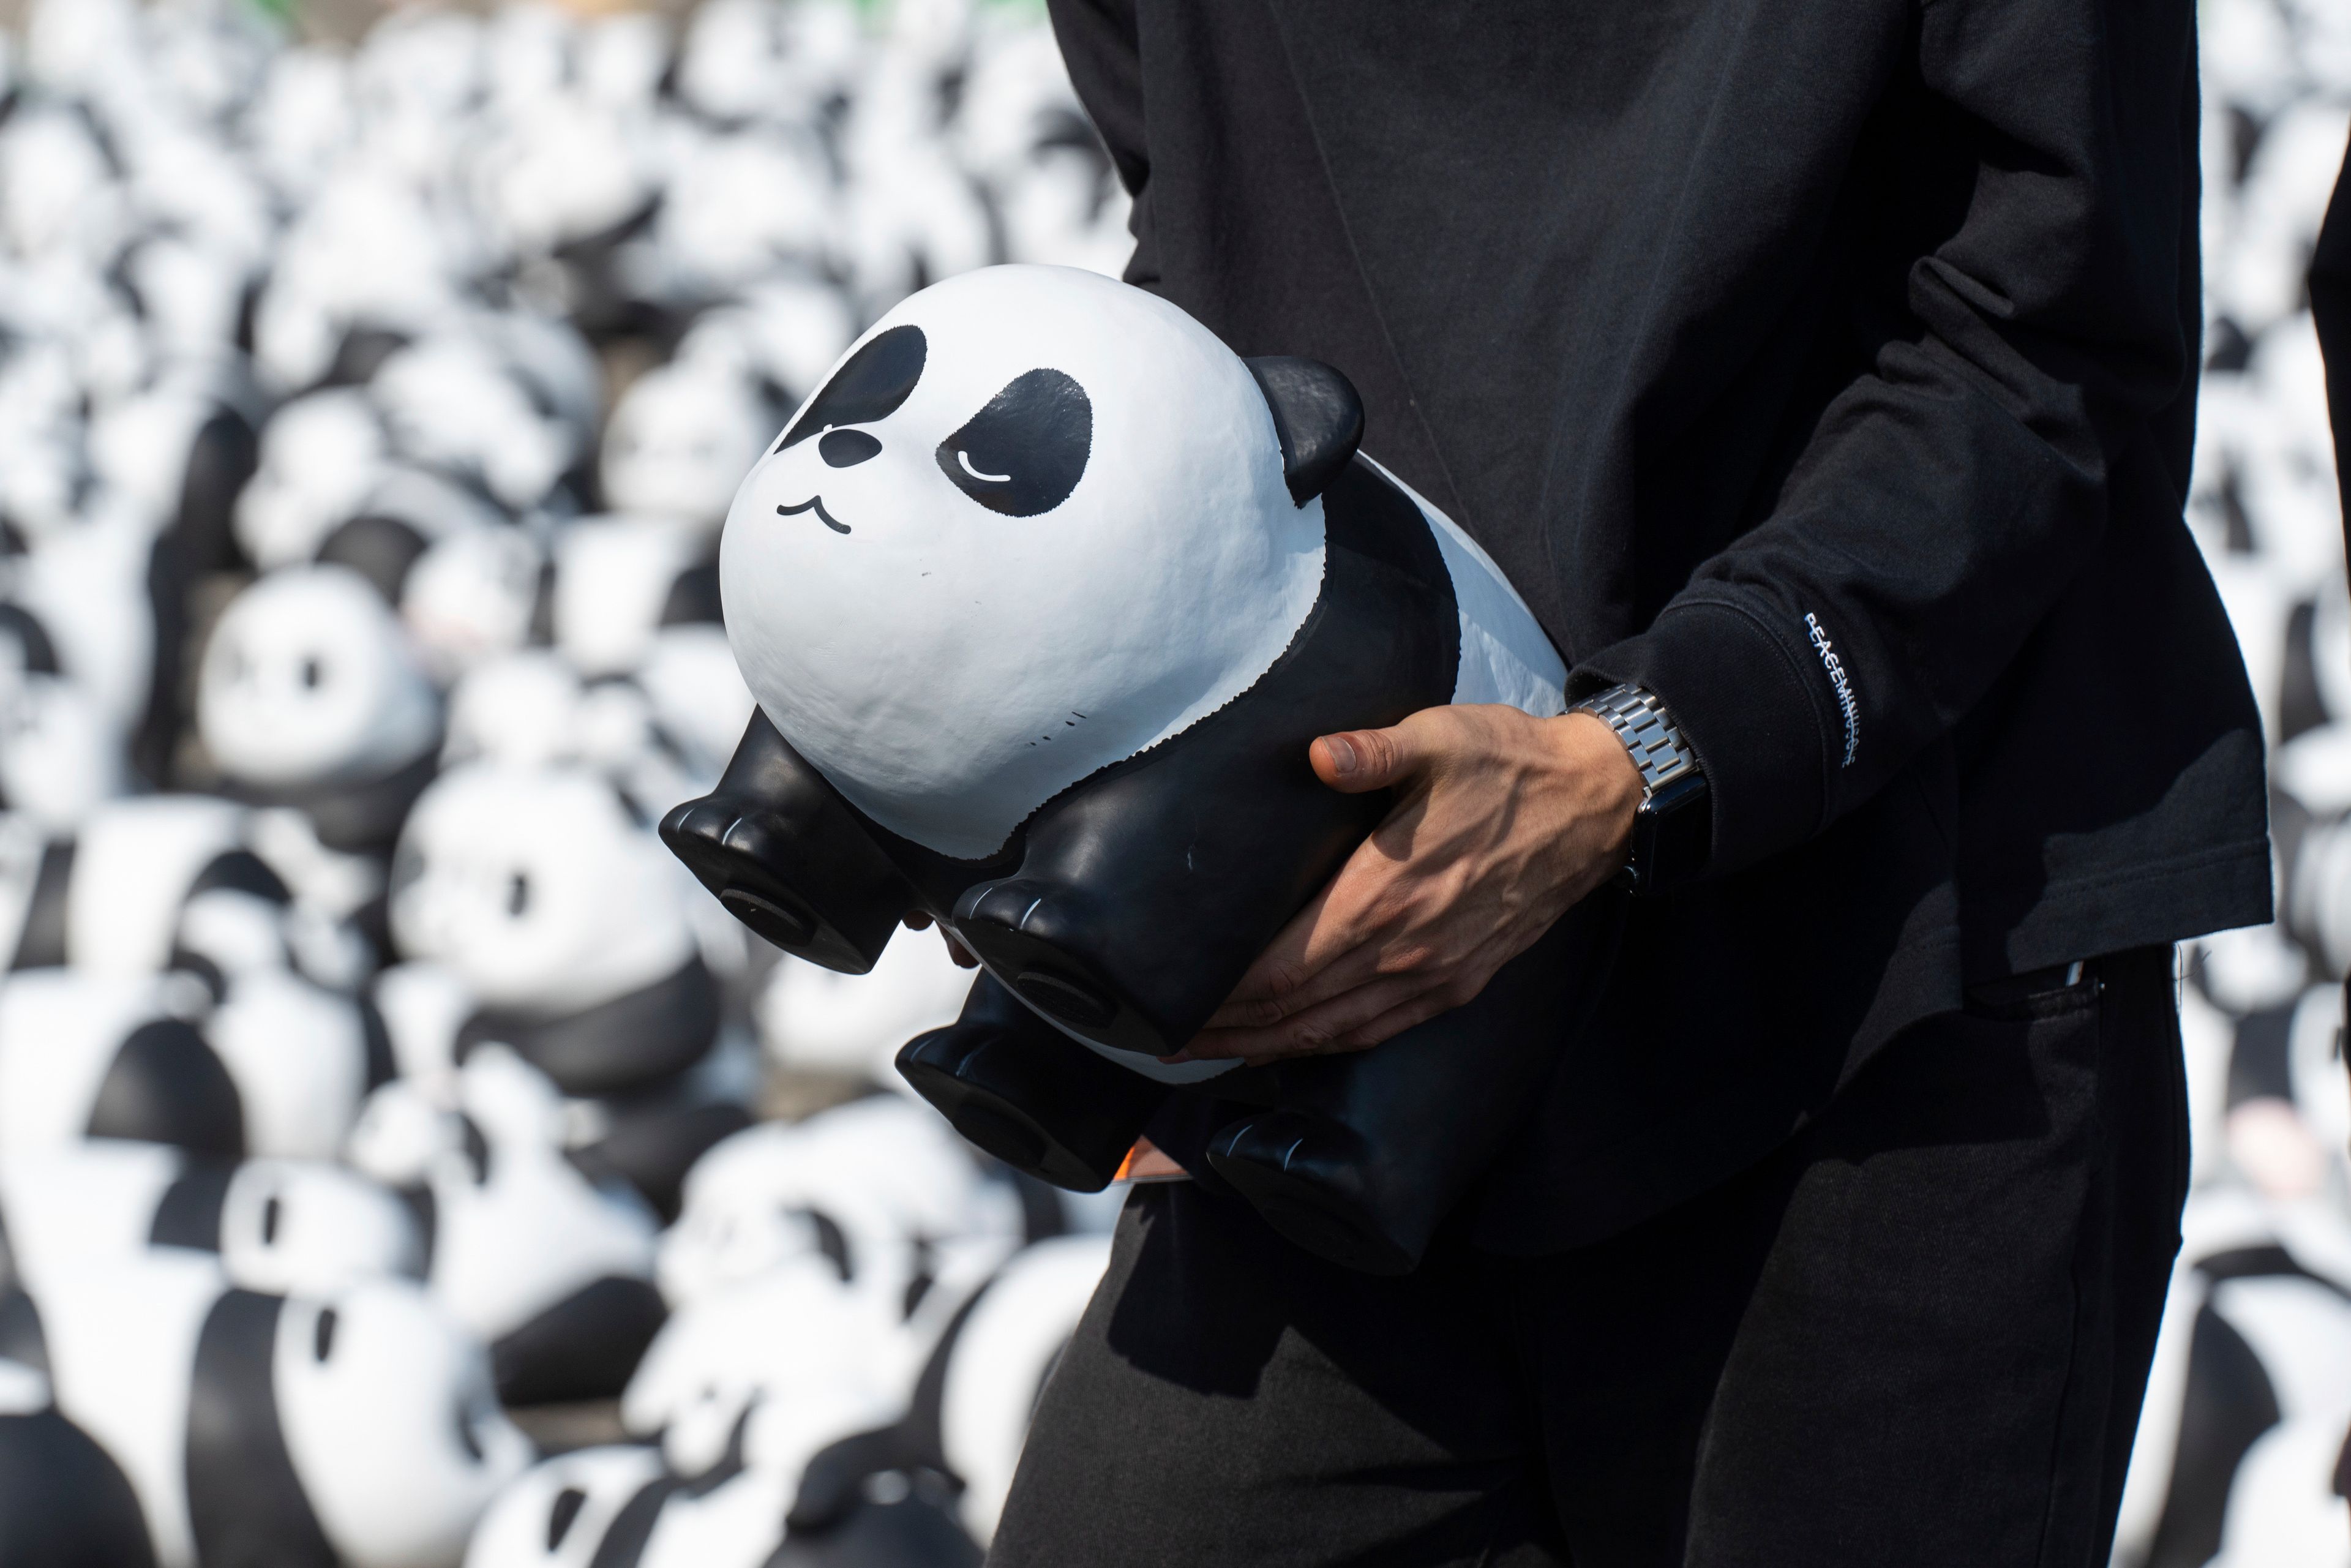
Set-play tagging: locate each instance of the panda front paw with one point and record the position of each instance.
(730, 851)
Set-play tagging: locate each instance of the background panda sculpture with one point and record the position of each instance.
(1043, 596)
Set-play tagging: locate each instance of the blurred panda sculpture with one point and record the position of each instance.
(1043, 596)
(358, 1430)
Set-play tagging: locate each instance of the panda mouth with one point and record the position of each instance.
(816, 503)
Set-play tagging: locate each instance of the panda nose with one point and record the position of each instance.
(847, 448)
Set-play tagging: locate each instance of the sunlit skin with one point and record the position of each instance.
(1502, 821)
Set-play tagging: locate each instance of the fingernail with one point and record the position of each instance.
(1342, 753)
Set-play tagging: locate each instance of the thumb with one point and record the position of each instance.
(1356, 760)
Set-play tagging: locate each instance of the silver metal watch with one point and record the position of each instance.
(1673, 829)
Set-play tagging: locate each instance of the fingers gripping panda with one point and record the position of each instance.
(1043, 595)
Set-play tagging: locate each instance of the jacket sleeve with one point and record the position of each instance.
(1949, 494)
(1102, 48)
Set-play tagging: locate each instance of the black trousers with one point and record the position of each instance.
(1916, 1334)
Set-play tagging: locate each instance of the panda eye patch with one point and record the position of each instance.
(322, 1336)
(313, 672)
(870, 387)
(1025, 452)
(517, 894)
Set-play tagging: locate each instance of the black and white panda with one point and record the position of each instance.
(310, 694)
(284, 1227)
(815, 1018)
(2257, 1332)
(619, 1508)
(567, 925)
(551, 1268)
(679, 439)
(1043, 596)
(112, 895)
(797, 1341)
(880, 1188)
(357, 1429)
(279, 1067)
(952, 1448)
(2288, 1506)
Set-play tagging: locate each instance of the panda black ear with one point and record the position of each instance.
(1317, 416)
(378, 548)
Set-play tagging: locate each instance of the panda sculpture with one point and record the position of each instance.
(550, 1268)
(1043, 596)
(619, 1508)
(2254, 1335)
(284, 1227)
(566, 923)
(357, 1430)
(310, 694)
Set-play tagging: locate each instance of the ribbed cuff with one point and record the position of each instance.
(1743, 702)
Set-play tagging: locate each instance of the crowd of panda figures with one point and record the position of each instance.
(378, 1175)
(379, 1178)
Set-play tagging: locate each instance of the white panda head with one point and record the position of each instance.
(307, 1228)
(678, 441)
(392, 1423)
(1036, 521)
(319, 456)
(717, 1358)
(536, 886)
(558, 1515)
(309, 679)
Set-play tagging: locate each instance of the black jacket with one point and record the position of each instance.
(1743, 333)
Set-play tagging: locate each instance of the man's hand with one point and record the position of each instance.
(1502, 822)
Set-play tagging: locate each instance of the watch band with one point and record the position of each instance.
(1672, 828)
(1640, 722)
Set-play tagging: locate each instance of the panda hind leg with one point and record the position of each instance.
(1019, 1089)
(786, 856)
(1364, 1155)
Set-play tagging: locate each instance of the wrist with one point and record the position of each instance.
(1672, 827)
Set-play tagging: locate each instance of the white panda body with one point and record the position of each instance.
(59, 1032)
(1036, 522)
(120, 1341)
(383, 1408)
(1002, 1354)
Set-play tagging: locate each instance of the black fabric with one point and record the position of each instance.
(1916, 1333)
(246, 1504)
(1743, 333)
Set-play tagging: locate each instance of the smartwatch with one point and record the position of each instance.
(1673, 829)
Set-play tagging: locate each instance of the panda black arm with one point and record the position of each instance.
(1101, 45)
